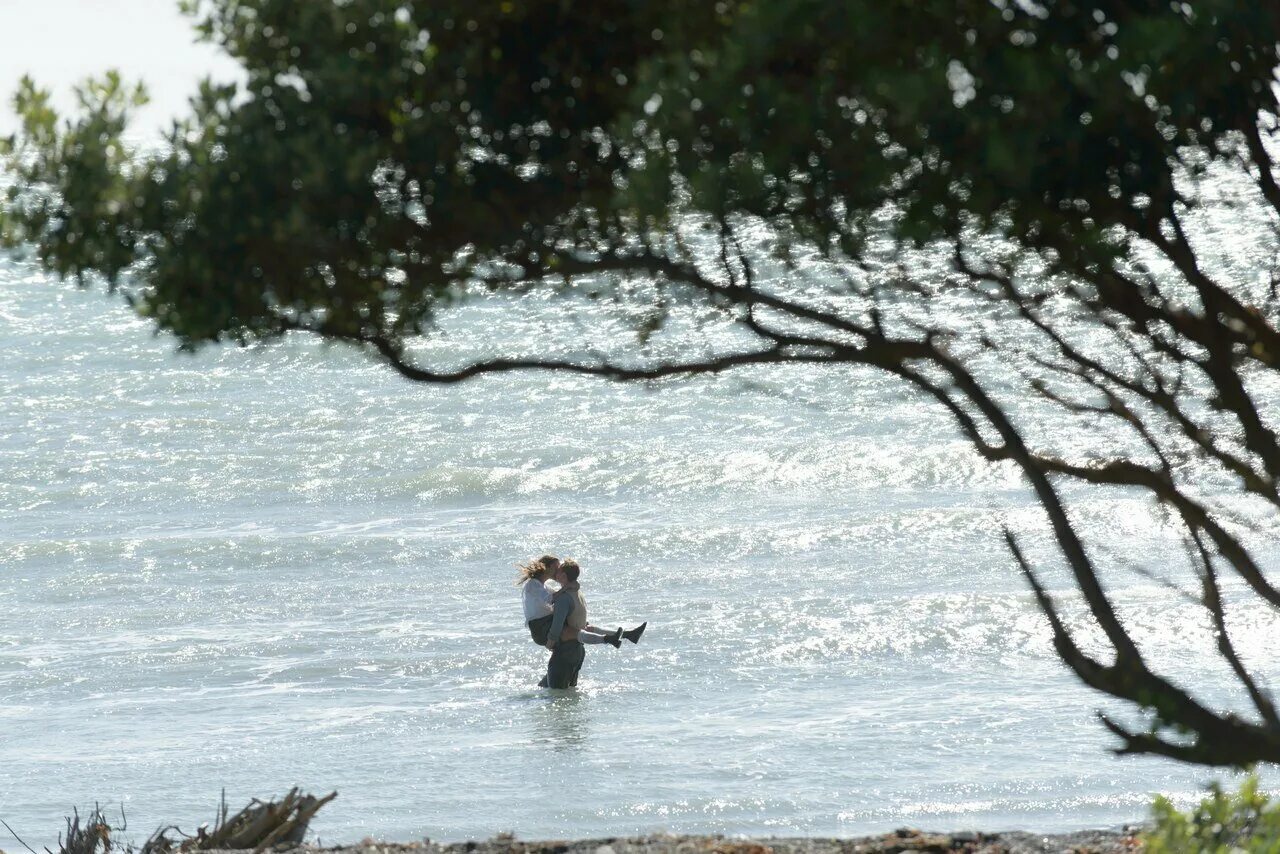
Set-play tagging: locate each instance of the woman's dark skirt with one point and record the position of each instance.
(539, 629)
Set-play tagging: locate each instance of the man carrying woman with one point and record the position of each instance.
(559, 621)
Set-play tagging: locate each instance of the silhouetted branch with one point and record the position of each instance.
(1212, 600)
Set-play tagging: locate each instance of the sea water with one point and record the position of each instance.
(250, 569)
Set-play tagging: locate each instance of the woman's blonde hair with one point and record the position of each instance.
(534, 568)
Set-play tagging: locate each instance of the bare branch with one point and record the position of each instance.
(1212, 600)
(1263, 163)
(1014, 448)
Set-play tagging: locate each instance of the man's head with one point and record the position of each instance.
(569, 571)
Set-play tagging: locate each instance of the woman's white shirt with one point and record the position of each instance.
(536, 598)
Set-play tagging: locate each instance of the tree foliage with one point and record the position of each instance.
(994, 201)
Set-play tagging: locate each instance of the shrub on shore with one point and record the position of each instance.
(1245, 821)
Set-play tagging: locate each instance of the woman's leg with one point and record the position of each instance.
(592, 635)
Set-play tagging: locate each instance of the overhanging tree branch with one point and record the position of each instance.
(358, 203)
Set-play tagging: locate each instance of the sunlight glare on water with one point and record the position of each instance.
(258, 568)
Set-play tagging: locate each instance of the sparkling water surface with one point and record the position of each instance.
(253, 569)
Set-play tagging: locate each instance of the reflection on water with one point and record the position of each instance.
(563, 721)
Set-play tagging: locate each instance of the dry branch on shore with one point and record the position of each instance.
(86, 839)
(259, 826)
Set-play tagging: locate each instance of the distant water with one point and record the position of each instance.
(258, 568)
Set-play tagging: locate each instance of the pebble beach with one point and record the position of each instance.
(906, 839)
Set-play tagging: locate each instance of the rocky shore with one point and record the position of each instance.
(1082, 842)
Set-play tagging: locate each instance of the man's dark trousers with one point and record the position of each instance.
(566, 661)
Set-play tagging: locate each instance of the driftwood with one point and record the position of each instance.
(85, 840)
(259, 826)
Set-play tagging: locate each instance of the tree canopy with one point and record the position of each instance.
(993, 200)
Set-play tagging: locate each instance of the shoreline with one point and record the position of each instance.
(906, 839)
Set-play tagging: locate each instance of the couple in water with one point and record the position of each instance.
(558, 620)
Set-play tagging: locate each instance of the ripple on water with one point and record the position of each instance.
(256, 568)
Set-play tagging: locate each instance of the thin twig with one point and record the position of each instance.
(17, 837)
